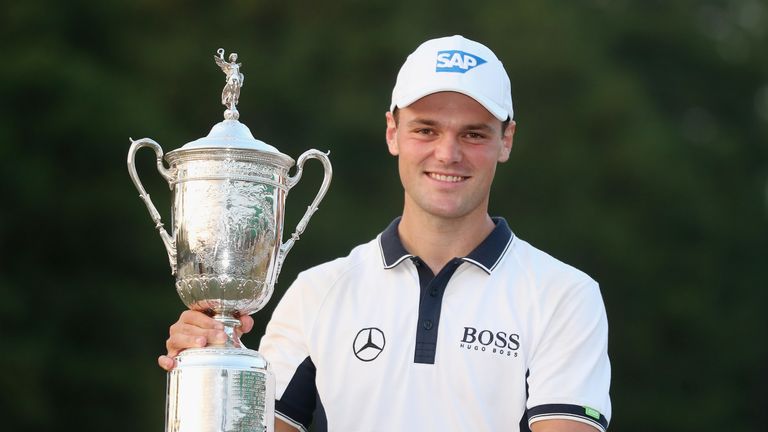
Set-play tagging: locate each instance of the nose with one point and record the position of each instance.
(448, 150)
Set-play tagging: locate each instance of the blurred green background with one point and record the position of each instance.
(641, 157)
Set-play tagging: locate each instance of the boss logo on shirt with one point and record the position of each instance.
(490, 342)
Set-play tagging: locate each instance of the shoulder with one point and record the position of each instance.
(305, 297)
(360, 256)
(546, 274)
(316, 282)
(541, 263)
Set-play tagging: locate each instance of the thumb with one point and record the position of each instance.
(247, 323)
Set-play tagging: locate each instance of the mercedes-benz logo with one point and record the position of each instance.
(369, 343)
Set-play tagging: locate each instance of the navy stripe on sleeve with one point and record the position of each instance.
(298, 400)
(565, 411)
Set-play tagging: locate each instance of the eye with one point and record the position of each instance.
(475, 135)
(425, 131)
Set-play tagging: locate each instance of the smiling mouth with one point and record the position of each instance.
(447, 178)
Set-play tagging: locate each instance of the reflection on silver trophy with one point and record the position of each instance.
(225, 249)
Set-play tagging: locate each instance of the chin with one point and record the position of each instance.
(445, 213)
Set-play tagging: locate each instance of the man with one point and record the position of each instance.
(445, 321)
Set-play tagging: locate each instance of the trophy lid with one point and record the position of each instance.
(230, 134)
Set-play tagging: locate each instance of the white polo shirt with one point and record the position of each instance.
(497, 340)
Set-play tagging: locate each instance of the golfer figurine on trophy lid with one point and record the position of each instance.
(225, 248)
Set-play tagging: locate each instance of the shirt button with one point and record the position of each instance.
(427, 324)
(433, 292)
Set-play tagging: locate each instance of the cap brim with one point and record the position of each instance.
(497, 111)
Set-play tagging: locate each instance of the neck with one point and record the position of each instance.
(437, 241)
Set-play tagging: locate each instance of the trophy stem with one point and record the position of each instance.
(230, 326)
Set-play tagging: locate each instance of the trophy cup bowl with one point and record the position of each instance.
(226, 251)
(228, 218)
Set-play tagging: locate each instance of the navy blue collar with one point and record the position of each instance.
(486, 255)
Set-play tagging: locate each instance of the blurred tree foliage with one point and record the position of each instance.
(641, 157)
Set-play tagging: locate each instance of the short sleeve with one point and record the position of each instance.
(569, 371)
(285, 347)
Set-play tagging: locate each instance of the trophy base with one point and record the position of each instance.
(217, 389)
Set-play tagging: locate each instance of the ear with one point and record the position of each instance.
(506, 141)
(394, 150)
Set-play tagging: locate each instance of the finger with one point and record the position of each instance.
(246, 323)
(199, 319)
(179, 342)
(166, 362)
(193, 330)
(187, 334)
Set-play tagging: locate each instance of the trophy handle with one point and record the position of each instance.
(291, 182)
(170, 244)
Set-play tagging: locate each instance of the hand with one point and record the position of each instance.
(194, 330)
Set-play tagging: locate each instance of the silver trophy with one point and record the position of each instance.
(225, 249)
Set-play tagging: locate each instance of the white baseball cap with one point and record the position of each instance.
(455, 64)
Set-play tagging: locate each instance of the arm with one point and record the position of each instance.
(281, 426)
(561, 426)
(285, 345)
(569, 368)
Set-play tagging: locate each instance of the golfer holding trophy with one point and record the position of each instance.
(225, 249)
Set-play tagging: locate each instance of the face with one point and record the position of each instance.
(447, 146)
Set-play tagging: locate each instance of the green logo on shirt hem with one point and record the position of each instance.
(595, 414)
